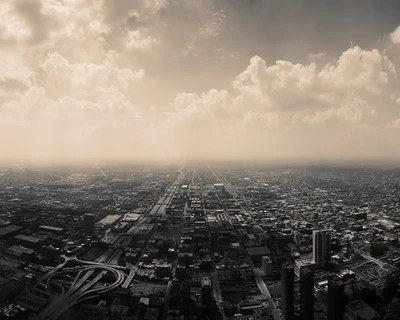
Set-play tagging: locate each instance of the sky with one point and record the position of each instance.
(199, 79)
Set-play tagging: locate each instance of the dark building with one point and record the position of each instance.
(10, 231)
(321, 246)
(206, 292)
(287, 292)
(306, 294)
(89, 223)
(336, 299)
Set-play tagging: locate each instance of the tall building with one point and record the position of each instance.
(206, 292)
(267, 265)
(306, 294)
(89, 223)
(321, 246)
(336, 299)
(287, 292)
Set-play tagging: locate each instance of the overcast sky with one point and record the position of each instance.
(199, 79)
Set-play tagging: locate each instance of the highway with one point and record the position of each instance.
(157, 209)
(378, 262)
(80, 289)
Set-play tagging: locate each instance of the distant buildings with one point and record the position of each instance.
(321, 246)
(287, 292)
(89, 223)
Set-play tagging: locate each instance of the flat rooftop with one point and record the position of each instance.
(109, 220)
(9, 229)
(257, 251)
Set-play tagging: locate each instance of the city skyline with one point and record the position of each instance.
(215, 80)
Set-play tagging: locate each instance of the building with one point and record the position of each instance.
(336, 299)
(108, 221)
(89, 223)
(306, 294)
(267, 265)
(10, 288)
(206, 291)
(9, 231)
(287, 292)
(256, 253)
(28, 241)
(248, 307)
(162, 270)
(51, 229)
(20, 252)
(359, 310)
(321, 246)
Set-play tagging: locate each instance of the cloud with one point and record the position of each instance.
(67, 127)
(135, 40)
(292, 110)
(395, 36)
(211, 29)
(214, 26)
(12, 27)
(280, 110)
(13, 67)
(86, 80)
(80, 111)
(288, 86)
(316, 55)
(92, 78)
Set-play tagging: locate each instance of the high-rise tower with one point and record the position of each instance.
(206, 292)
(336, 299)
(306, 294)
(287, 292)
(89, 223)
(321, 246)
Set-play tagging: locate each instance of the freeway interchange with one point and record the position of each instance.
(87, 281)
(86, 285)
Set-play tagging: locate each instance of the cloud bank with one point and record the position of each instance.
(79, 80)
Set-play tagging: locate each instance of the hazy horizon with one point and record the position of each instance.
(182, 80)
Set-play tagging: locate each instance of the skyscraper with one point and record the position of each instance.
(206, 293)
(321, 246)
(336, 299)
(306, 294)
(267, 265)
(287, 285)
(89, 223)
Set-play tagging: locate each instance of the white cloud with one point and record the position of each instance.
(292, 110)
(288, 86)
(317, 55)
(84, 79)
(13, 67)
(395, 36)
(135, 40)
(64, 93)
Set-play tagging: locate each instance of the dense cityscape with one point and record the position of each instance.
(236, 242)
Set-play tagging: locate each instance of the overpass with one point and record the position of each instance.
(83, 287)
